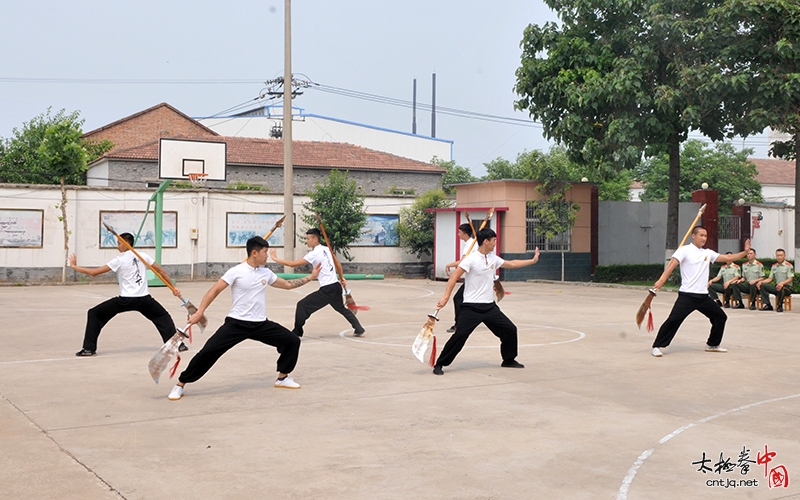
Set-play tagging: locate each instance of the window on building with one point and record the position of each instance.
(534, 229)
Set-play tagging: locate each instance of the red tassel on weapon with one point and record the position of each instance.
(650, 326)
(190, 334)
(175, 367)
(433, 352)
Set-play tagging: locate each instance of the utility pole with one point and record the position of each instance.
(414, 113)
(288, 174)
(433, 108)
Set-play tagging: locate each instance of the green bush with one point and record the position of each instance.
(621, 273)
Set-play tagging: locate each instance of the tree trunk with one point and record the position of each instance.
(66, 230)
(673, 196)
(796, 197)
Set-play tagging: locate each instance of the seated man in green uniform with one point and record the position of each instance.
(728, 275)
(782, 274)
(752, 276)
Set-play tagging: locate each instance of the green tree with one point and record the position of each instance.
(62, 154)
(340, 204)
(613, 185)
(455, 174)
(415, 227)
(762, 56)
(618, 80)
(21, 158)
(724, 169)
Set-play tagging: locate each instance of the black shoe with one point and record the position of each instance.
(779, 309)
(451, 329)
(727, 305)
(437, 370)
(718, 302)
(182, 347)
(85, 353)
(359, 333)
(739, 306)
(753, 306)
(512, 364)
(767, 308)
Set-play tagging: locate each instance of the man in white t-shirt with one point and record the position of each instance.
(133, 295)
(465, 235)
(330, 289)
(693, 293)
(247, 318)
(478, 270)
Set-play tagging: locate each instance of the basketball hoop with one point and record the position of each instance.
(198, 179)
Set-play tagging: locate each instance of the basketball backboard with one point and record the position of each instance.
(177, 158)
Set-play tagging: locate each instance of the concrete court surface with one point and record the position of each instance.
(592, 415)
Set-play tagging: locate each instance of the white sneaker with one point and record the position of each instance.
(715, 348)
(176, 394)
(657, 352)
(287, 383)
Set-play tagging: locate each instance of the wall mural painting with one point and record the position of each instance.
(129, 222)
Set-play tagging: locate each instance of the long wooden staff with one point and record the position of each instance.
(348, 297)
(489, 215)
(651, 293)
(190, 308)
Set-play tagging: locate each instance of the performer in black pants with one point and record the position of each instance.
(478, 270)
(133, 295)
(247, 318)
(693, 294)
(330, 289)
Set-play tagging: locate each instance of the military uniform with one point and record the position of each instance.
(779, 272)
(751, 272)
(726, 273)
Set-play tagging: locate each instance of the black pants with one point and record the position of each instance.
(328, 295)
(685, 305)
(234, 331)
(749, 289)
(99, 315)
(458, 299)
(469, 318)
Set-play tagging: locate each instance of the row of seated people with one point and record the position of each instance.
(733, 281)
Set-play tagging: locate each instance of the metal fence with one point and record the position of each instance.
(729, 227)
(534, 236)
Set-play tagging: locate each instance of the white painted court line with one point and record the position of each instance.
(626, 482)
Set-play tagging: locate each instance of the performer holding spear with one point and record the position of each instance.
(134, 295)
(478, 270)
(694, 261)
(330, 288)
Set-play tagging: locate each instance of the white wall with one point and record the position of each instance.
(313, 128)
(202, 209)
(776, 231)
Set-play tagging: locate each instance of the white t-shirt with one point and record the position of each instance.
(327, 273)
(465, 247)
(248, 295)
(131, 273)
(694, 264)
(479, 278)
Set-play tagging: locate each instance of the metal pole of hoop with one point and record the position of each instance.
(198, 179)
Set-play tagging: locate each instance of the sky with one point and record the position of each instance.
(109, 60)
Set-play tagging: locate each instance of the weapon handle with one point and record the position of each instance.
(336, 263)
(699, 214)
